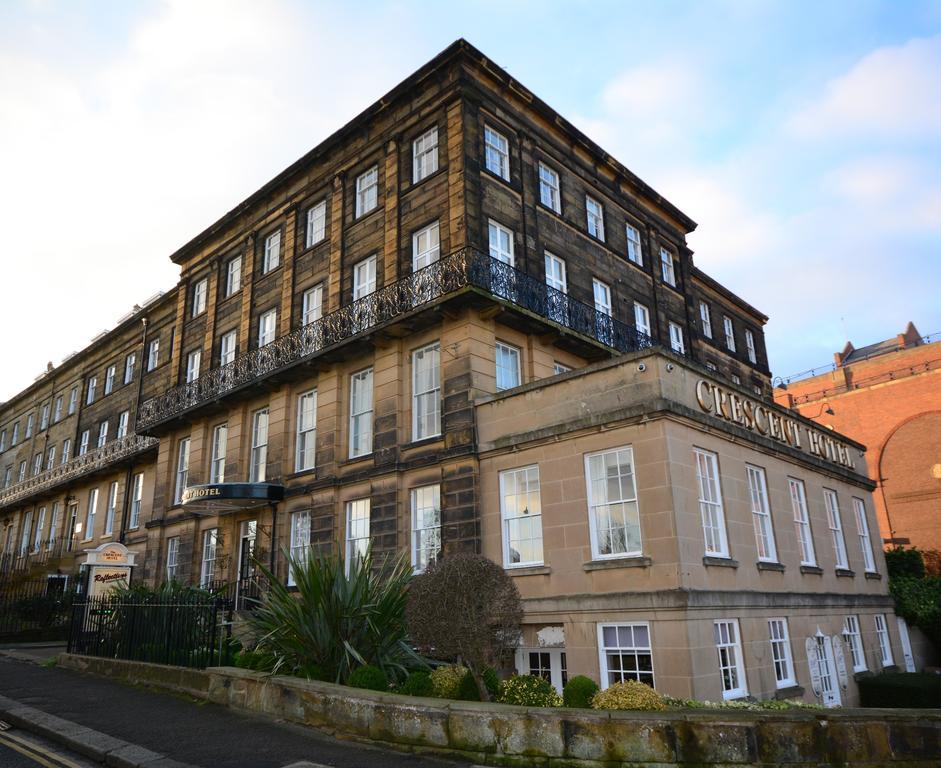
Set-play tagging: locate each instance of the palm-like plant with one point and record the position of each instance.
(336, 621)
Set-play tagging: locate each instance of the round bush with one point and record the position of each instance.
(446, 681)
(418, 683)
(467, 690)
(628, 695)
(529, 691)
(578, 692)
(368, 677)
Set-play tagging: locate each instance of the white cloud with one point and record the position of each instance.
(893, 91)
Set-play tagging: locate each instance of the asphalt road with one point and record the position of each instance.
(184, 729)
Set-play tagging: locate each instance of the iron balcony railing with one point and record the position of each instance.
(466, 268)
(48, 551)
(92, 461)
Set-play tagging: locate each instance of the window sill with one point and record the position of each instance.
(301, 473)
(873, 576)
(789, 692)
(497, 177)
(634, 561)
(366, 214)
(859, 674)
(529, 570)
(720, 562)
(891, 668)
(415, 184)
(356, 459)
(765, 566)
(814, 570)
(424, 441)
(845, 573)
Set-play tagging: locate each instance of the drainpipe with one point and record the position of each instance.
(274, 530)
(126, 507)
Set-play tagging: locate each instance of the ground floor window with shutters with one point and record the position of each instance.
(731, 664)
(625, 654)
(173, 554)
(300, 540)
(210, 545)
(547, 663)
(357, 530)
(885, 647)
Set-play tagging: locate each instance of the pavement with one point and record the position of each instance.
(134, 727)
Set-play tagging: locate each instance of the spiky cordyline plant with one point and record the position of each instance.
(336, 621)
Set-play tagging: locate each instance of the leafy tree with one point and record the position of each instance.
(904, 563)
(917, 595)
(466, 607)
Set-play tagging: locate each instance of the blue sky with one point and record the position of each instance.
(804, 138)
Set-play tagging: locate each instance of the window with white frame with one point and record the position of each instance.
(364, 277)
(361, 413)
(667, 269)
(233, 276)
(312, 304)
(300, 540)
(706, 318)
(173, 555)
(3, 440)
(781, 656)
(122, 424)
(316, 223)
(367, 191)
(558, 368)
(129, 363)
(836, 527)
(258, 467)
(83, 443)
(635, 252)
(882, 634)
(425, 155)
(53, 526)
(426, 392)
(508, 366)
(357, 530)
(22, 472)
(761, 514)
(153, 358)
(594, 213)
(521, 511)
(8, 476)
(750, 346)
(137, 497)
(625, 653)
(496, 153)
(182, 469)
(555, 273)
(109, 388)
(102, 433)
(37, 463)
(50, 457)
(710, 503)
(56, 417)
(426, 526)
(736, 379)
(228, 344)
(676, 339)
(210, 544)
(111, 508)
(865, 543)
(44, 417)
(426, 247)
(305, 450)
(613, 514)
(25, 530)
(731, 666)
(66, 450)
(802, 521)
(220, 438)
(729, 333)
(90, 514)
(854, 640)
(272, 256)
(604, 328)
(73, 400)
(641, 319)
(500, 243)
(193, 360)
(40, 525)
(267, 327)
(549, 188)
(16, 434)
(200, 289)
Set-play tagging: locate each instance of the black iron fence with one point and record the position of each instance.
(37, 609)
(186, 631)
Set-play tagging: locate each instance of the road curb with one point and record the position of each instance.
(85, 741)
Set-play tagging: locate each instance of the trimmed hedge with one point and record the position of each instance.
(579, 691)
(368, 677)
(900, 690)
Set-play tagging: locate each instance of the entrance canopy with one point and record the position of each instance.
(219, 498)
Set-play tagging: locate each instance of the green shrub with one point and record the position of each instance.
(630, 694)
(368, 677)
(529, 691)
(905, 563)
(418, 683)
(446, 681)
(918, 601)
(578, 692)
(900, 690)
(467, 690)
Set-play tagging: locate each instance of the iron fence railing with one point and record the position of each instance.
(92, 461)
(466, 268)
(37, 609)
(48, 551)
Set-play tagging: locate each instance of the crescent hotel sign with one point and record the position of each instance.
(757, 417)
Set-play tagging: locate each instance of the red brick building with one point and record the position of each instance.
(887, 396)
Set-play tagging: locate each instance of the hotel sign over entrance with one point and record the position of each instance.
(769, 422)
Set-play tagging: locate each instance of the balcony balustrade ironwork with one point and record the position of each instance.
(463, 269)
(48, 551)
(92, 461)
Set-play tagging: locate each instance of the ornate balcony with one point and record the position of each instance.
(93, 461)
(466, 269)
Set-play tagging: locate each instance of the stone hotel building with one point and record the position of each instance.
(458, 324)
